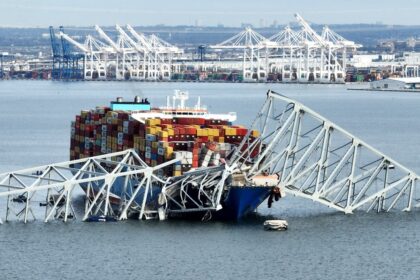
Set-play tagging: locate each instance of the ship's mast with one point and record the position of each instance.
(182, 96)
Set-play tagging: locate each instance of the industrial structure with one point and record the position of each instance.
(66, 63)
(297, 56)
(293, 56)
(135, 56)
(308, 155)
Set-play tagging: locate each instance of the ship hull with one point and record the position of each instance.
(239, 201)
(242, 201)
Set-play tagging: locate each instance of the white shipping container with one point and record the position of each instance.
(178, 155)
(189, 155)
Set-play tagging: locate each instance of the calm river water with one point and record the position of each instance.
(320, 244)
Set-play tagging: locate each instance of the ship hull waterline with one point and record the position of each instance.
(238, 202)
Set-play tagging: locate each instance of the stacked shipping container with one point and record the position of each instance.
(197, 141)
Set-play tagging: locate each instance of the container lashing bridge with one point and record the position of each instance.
(312, 157)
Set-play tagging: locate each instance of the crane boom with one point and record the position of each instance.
(309, 29)
(139, 37)
(129, 39)
(74, 42)
(106, 38)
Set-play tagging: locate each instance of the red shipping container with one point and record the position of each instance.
(199, 121)
(191, 130)
(241, 131)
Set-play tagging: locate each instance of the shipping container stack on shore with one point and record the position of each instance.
(196, 141)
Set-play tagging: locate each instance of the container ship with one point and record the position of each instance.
(197, 137)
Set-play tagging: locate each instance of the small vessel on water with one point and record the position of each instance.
(198, 138)
(278, 225)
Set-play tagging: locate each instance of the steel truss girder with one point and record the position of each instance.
(53, 186)
(197, 191)
(316, 159)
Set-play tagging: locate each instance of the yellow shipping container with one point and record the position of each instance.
(169, 152)
(221, 139)
(176, 173)
(151, 130)
(155, 145)
(202, 132)
(170, 132)
(84, 113)
(255, 133)
(152, 122)
(213, 132)
(163, 134)
(229, 131)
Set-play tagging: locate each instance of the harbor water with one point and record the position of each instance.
(319, 244)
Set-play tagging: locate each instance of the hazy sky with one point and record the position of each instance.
(209, 12)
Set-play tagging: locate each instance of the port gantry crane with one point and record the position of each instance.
(138, 57)
(124, 55)
(287, 43)
(95, 56)
(298, 56)
(250, 43)
(310, 156)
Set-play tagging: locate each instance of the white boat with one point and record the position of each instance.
(275, 225)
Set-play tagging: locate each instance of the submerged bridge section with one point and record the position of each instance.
(316, 159)
(311, 157)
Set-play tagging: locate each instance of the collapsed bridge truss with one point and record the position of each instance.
(53, 186)
(316, 159)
